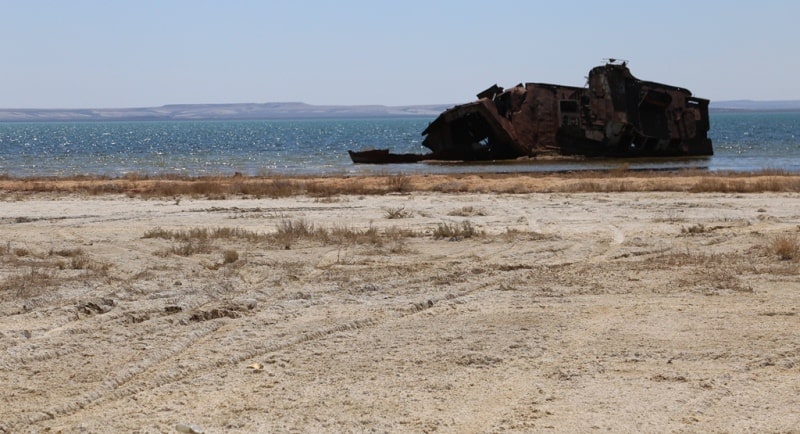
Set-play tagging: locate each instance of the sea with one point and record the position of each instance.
(743, 142)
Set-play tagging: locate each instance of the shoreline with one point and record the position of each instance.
(618, 180)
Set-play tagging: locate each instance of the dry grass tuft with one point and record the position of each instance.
(787, 247)
(755, 183)
(696, 229)
(456, 231)
(621, 179)
(399, 183)
(717, 185)
(287, 233)
(204, 234)
(511, 235)
(158, 233)
(273, 188)
(299, 228)
(27, 285)
(20, 251)
(230, 256)
(344, 235)
(397, 213)
(292, 231)
(67, 253)
(451, 187)
(189, 248)
(467, 211)
(604, 186)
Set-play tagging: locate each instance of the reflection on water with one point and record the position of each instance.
(742, 142)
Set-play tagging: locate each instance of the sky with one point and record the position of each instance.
(145, 53)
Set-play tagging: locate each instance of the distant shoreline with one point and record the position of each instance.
(196, 112)
(296, 111)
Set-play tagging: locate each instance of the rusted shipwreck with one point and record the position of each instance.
(614, 115)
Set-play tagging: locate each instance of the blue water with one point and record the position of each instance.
(742, 142)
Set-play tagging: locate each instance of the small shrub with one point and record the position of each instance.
(467, 211)
(189, 248)
(27, 285)
(511, 235)
(68, 253)
(395, 233)
(157, 233)
(345, 235)
(233, 233)
(450, 187)
(399, 183)
(455, 231)
(295, 228)
(787, 247)
(397, 213)
(696, 229)
(273, 188)
(290, 231)
(230, 256)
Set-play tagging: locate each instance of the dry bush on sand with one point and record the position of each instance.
(456, 231)
(397, 213)
(230, 256)
(467, 211)
(786, 246)
(27, 285)
(399, 183)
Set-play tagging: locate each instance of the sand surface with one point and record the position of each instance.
(621, 312)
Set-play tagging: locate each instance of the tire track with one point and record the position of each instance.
(109, 386)
(129, 382)
(80, 327)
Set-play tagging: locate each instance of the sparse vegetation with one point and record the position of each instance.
(397, 213)
(67, 253)
(230, 256)
(695, 229)
(345, 235)
(511, 235)
(221, 187)
(20, 251)
(467, 211)
(290, 231)
(786, 246)
(287, 233)
(205, 234)
(399, 183)
(191, 247)
(455, 231)
(43, 271)
(28, 284)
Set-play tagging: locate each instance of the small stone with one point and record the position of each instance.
(188, 429)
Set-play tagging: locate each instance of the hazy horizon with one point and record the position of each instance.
(95, 54)
(294, 104)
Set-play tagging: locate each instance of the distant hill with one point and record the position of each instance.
(293, 110)
(748, 105)
(275, 110)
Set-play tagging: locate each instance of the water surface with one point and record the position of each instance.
(742, 142)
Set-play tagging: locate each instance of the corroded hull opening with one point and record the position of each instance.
(615, 115)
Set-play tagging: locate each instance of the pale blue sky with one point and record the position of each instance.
(106, 53)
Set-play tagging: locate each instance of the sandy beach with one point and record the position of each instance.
(417, 310)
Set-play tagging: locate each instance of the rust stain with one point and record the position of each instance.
(614, 115)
